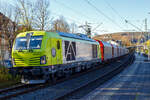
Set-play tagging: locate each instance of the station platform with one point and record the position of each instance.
(131, 84)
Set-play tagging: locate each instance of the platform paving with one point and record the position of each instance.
(131, 84)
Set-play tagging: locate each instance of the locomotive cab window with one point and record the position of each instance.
(58, 44)
(22, 43)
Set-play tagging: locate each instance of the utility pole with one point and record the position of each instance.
(87, 29)
(147, 39)
(145, 24)
(138, 43)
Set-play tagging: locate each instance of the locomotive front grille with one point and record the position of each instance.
(35, 61)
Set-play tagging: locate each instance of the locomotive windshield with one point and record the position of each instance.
(21, 43)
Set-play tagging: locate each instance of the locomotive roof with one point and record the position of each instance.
(58, 35)
(76, 36)
(106, 44)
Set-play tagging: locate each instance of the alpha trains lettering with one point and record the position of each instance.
(39, 56)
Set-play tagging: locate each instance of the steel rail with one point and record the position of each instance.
(31, 88)
(106, 75)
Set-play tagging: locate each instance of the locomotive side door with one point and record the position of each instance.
(56, 49)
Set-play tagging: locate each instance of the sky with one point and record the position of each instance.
(109, 15)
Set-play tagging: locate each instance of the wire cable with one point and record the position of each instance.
(71, 19)
(100, 12)
(71, 9)
(114, 10)
(126, 21)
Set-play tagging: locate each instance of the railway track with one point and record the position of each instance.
(19, 85)
(18, 90)
(99, 80)
(23, 88)
(26, 88)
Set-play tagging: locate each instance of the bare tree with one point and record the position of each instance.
(60, 25)
(26, 10)
(8, 29)
(42, 18)
(73, 28)
(34, 15)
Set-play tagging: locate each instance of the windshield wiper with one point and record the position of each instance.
(20, 50)
(30, 49)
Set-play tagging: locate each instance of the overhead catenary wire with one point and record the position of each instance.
(113, 9)
(133, 25)
(68, 18)
(124, 19)
(71, 9)
(100, 12)
(97, 26)
(74, 11)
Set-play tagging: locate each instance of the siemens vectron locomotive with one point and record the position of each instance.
(39, 56)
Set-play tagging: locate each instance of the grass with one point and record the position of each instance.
(6, 79)
(7, 84)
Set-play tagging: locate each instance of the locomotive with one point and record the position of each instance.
(40, 56)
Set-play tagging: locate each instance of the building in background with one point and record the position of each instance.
(125, 38)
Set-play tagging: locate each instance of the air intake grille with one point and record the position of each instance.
(34, 61)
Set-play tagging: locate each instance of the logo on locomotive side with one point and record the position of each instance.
(70, 50)
(53, 52)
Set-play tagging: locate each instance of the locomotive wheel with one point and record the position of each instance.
(54, 77)
(47, 78)
(60, 73)
(68, 73)
(78, 69)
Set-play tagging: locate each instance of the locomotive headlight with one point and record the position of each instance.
(43, 60)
